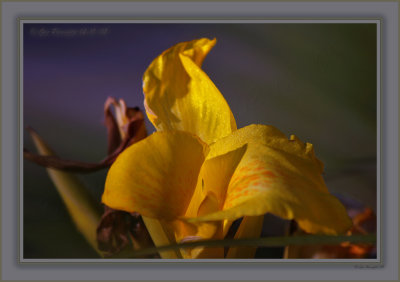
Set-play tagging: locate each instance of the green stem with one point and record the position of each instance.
(160, 237)
(266, 242)
(250, 227)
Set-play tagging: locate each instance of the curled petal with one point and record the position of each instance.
(180, 96)
(213, 182)
(113, 133)
(121, 127)
(117, 229)
(266, 135)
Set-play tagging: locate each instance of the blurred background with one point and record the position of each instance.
(317, 81)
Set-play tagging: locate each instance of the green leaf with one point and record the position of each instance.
(83, 209)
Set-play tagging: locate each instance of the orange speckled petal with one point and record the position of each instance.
(180, 96)
(266, 135)
(278, 176)
(156, 176)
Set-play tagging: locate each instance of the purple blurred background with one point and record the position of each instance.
(317, 81)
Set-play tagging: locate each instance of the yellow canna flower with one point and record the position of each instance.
(198, 173)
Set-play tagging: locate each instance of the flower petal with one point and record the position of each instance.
(279, 176)
(156, 176)
(191, 232)
(269, 136)
(180, 96)
(208, 197)
(213, 181)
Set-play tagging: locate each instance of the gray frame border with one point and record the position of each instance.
(387, 10)
(377, 261)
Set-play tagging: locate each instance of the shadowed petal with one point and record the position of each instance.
(214, 178)
(156, 176)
